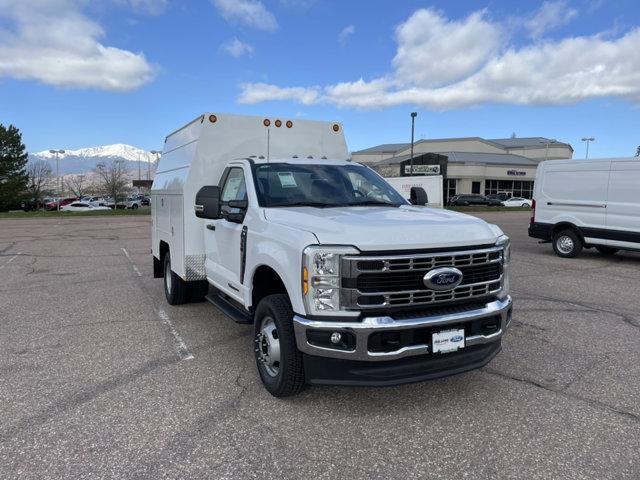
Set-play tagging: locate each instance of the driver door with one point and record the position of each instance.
(225, 272)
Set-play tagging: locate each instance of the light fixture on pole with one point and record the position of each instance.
(153, 152)
(588, 139)
(413, 125)
(56, 153)
(547, 141)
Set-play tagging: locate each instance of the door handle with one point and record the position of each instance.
(211, 226)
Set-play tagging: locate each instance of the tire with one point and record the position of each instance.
(604, 250)
(175, 289)
(567, 244)
(134, 206)
(282, 373)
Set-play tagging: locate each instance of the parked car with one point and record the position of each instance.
(81, 207)
(473, 199)
(144, 201)
(502, 196)
(517, 202)
(110, 203)
(133, 203)
(95, 201)
(53, 204)
(587, 203)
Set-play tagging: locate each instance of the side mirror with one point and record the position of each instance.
(241, 204)
(418, 196)
(208, 203)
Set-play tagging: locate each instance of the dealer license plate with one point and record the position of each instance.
(448, 340)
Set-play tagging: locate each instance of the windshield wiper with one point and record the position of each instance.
(306, 204)
(371, 202)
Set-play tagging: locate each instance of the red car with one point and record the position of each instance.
(53, 205)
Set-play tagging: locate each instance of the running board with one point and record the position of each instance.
(229, 309)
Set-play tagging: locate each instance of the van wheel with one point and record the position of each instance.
(278, 359)
(175, 289)
(567, 244)
(607, 250)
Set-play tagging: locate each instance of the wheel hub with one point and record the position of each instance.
(268, 347)
(565, 244)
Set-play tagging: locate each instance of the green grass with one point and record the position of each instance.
(54, 214)
(482, 208)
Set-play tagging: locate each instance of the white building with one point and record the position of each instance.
(469, 165)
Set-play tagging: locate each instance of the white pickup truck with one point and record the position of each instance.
(344, 280)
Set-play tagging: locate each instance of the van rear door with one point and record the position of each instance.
(623, 206)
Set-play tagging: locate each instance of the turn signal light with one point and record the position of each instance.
(305, 280)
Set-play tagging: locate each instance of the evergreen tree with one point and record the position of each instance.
(13, 167)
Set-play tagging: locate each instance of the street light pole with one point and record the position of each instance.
(547, 142)
(588, 139)
(56, 153)
(153, 152)
(413, 124)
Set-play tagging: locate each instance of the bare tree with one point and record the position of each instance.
(39, 176)
(114, 179)
(638, 151)
(78, 185)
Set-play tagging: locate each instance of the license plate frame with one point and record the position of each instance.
(448, 341)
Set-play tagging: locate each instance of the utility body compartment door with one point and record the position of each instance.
(223, 239)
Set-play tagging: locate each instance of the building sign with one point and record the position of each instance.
(422, 169)
(516, 173)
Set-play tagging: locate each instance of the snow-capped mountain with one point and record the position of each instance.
(85, 160)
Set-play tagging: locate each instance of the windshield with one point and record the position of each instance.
(313, 185)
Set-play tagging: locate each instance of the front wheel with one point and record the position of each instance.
(278, 359)
(567, 244)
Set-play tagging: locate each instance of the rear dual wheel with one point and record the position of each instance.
(177, 291)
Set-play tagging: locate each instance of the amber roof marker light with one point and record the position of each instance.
(289, 124)
(278, 123)
(266, 122)
(213, 118)
(336, 127)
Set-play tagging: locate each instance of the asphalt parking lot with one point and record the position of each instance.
(100, 378)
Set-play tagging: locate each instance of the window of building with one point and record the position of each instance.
(450, 186)
(515, 188)
(475, 187)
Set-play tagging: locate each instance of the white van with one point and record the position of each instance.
(587, 203)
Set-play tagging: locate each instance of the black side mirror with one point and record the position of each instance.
(241, 204)
(418, 196)
(208, 203)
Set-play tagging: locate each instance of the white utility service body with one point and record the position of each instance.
(432, 184)
(587, 203)
(344, 280)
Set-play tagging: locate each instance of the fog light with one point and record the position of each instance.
(336, 337)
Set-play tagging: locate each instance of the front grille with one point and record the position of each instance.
(397, 281)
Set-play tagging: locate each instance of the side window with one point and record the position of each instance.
(234, 189)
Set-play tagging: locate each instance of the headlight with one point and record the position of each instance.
(321, 279)
(503, 241)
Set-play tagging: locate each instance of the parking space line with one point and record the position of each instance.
(10, 260)
(135, 268)
(181, 347)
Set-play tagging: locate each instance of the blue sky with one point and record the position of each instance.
(79, 73)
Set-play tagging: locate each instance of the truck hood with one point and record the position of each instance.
(384, 228)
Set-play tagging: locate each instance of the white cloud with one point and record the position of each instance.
(262, 92)
(237, 48)
(443, 64)
(151, 7)
(54, 43)
(251, 13)
(345, 33)
(551, 15)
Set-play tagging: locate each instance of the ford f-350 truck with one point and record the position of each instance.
(344, 281)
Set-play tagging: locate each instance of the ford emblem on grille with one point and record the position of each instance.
(445, 278)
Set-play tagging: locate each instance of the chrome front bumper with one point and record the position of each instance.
(362, 329)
